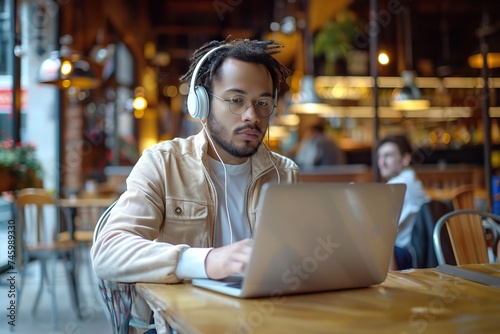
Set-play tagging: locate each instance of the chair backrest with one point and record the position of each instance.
(117, 296)
(463, 197)
(467, 235)
(39, 220)
(102, 221)
(40, 226)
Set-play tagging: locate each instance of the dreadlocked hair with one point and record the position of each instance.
(252, 51)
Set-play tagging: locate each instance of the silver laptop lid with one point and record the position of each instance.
(316, 237)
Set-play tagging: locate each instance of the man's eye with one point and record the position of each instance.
(236, 99)
(263, 103)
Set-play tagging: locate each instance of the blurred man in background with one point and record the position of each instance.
(394, 163)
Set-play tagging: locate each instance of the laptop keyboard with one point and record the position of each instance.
(236, 285)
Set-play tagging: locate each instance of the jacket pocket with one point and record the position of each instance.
(186, 221)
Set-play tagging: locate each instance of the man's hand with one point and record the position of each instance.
(228, 260)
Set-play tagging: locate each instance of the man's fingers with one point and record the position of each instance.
(228, 260)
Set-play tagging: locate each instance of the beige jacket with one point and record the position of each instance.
(169, 205)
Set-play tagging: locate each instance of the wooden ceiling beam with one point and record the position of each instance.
(189, 6)
(133, 27)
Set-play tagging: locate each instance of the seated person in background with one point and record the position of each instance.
(190, 204)
(317, 148)
(394, 160)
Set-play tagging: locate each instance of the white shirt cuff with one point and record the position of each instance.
(192, 263)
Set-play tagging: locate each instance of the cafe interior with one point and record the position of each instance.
(86, 86)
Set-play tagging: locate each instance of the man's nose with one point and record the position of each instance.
(251, 113)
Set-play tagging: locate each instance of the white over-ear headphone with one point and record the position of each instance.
(198, 103)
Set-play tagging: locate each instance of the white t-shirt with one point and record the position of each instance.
(192, 260)
(415, 197)
(238, 179)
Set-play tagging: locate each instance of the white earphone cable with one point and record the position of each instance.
(225, 181)
(269, 155)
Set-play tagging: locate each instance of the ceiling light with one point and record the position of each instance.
(476, 60)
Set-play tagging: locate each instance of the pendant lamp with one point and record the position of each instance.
(409, 96)
(67, 68)
(307, 101)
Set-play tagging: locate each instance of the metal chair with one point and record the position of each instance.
(117, 296)
(39, 219)
(466, 229)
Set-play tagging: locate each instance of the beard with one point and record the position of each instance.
(220, 136)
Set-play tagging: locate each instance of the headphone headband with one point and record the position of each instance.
(198, 102)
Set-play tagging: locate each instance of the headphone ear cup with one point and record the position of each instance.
(198, 103)
(203, 102)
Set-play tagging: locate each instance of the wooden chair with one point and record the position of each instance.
(466, 229)
(463, 197)
(84, 222)
(39, 219)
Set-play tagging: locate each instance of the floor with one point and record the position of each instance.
(94, 317)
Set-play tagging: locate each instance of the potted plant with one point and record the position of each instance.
(19, 166)
(334, 41)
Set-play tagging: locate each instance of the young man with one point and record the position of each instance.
(394, 160)
(190, 205)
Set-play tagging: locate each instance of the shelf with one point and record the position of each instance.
(322, 82)
(446, 113)
(359, 89)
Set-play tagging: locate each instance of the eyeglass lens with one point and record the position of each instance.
(239, 104)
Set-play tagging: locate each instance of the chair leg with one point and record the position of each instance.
(90, 270)
(21, 271)
(43, 278)
(52, 285)
(85, 263)
(73, 284)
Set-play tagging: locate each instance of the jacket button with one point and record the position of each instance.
(178, 211)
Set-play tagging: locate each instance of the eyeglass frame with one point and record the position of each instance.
(228, 100)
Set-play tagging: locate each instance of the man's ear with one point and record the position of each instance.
(406, 159)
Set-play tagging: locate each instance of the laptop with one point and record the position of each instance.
(312, 237)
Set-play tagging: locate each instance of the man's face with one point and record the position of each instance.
(238, 137)
(390, 161)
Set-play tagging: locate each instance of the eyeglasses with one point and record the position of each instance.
(238, 104)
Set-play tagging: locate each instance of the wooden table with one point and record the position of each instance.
(80, 202)
(413, 301)
(445, 195)
(84, 213)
